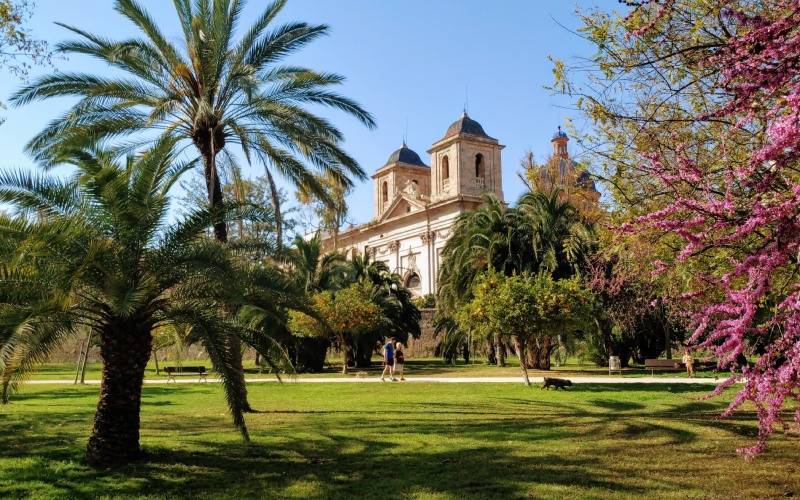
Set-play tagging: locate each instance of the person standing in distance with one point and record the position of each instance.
(388, 359)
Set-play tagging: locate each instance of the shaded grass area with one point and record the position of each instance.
(400, 441)
(426, 367)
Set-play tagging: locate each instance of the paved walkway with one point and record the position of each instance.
(445, 380)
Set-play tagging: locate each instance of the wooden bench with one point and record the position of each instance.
(174, 371)
(676, 364)
(663, 364)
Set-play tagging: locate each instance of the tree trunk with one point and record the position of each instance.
(491, 358)
(125, 348)
(501, 354)
(210, 142)
(668, 339)
(521, 356)
(343, 344)
(545, 352)
(539, 355)
(155, 359)
(7, 371)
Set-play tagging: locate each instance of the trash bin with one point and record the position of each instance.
(614, 365)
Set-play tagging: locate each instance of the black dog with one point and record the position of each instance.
(558, 383)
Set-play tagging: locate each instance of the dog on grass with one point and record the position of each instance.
(558, 383)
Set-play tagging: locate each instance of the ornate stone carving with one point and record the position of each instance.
(427, 237)
(394, 246)
(411, 188)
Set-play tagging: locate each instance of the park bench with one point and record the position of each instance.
(675, 364)
(663, 364)
(174, 371)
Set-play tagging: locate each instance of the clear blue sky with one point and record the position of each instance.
(405, 61)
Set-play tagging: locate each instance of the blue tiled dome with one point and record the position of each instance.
(465, 125)
(560, 134)
(405, 155)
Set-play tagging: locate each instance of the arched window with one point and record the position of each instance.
(385, 192)
(413, 281)
(479, 165)
(445, 168)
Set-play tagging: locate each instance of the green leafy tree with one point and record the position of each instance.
(526, 310)
(330, 211)
(97, 250)
(344, 316)
(543, 233)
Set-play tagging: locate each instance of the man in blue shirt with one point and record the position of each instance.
(388, 359)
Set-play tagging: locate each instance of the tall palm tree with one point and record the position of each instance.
(97, 250)
(211, 89)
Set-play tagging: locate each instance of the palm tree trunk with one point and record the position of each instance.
(125, 347)
(501, 354)
(521, 356)
(209, 146)
(276, 204)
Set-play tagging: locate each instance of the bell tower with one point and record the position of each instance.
(559, 141)
(466, 161)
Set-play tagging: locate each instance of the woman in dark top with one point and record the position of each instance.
(399, 359)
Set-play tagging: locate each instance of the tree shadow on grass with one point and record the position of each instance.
(490, 448)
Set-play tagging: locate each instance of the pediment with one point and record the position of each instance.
(400, 206)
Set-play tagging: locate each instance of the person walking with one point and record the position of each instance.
(399, 359)
(688, 360)
(388, 359)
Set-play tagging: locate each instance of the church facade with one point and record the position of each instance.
(416, 205)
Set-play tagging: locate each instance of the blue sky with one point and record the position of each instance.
(405, 62)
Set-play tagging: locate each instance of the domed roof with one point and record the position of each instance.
(465, 125)
(560, 134)
(405, 155)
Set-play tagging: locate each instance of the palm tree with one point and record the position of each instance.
(392, 298)
(314, 270)
(559, 235)
(211, 89)
(96, 251)
(541, 234)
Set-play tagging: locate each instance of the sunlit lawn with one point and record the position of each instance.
(400, 440)
(426, 367)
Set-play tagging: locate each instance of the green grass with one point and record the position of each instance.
(400, 440)
(426, 367)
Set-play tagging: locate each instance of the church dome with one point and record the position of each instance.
(465, 125)
(405, 155)
(560, 134)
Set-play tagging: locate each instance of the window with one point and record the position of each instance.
(445, 168)
(385, 192)
(479, 165)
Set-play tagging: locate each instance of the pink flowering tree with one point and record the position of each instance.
(740, 215)
(695, 133)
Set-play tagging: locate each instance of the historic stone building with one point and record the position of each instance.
(416, 204)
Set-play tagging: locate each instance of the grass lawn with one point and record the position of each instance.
(400, 440)
(426, 367)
